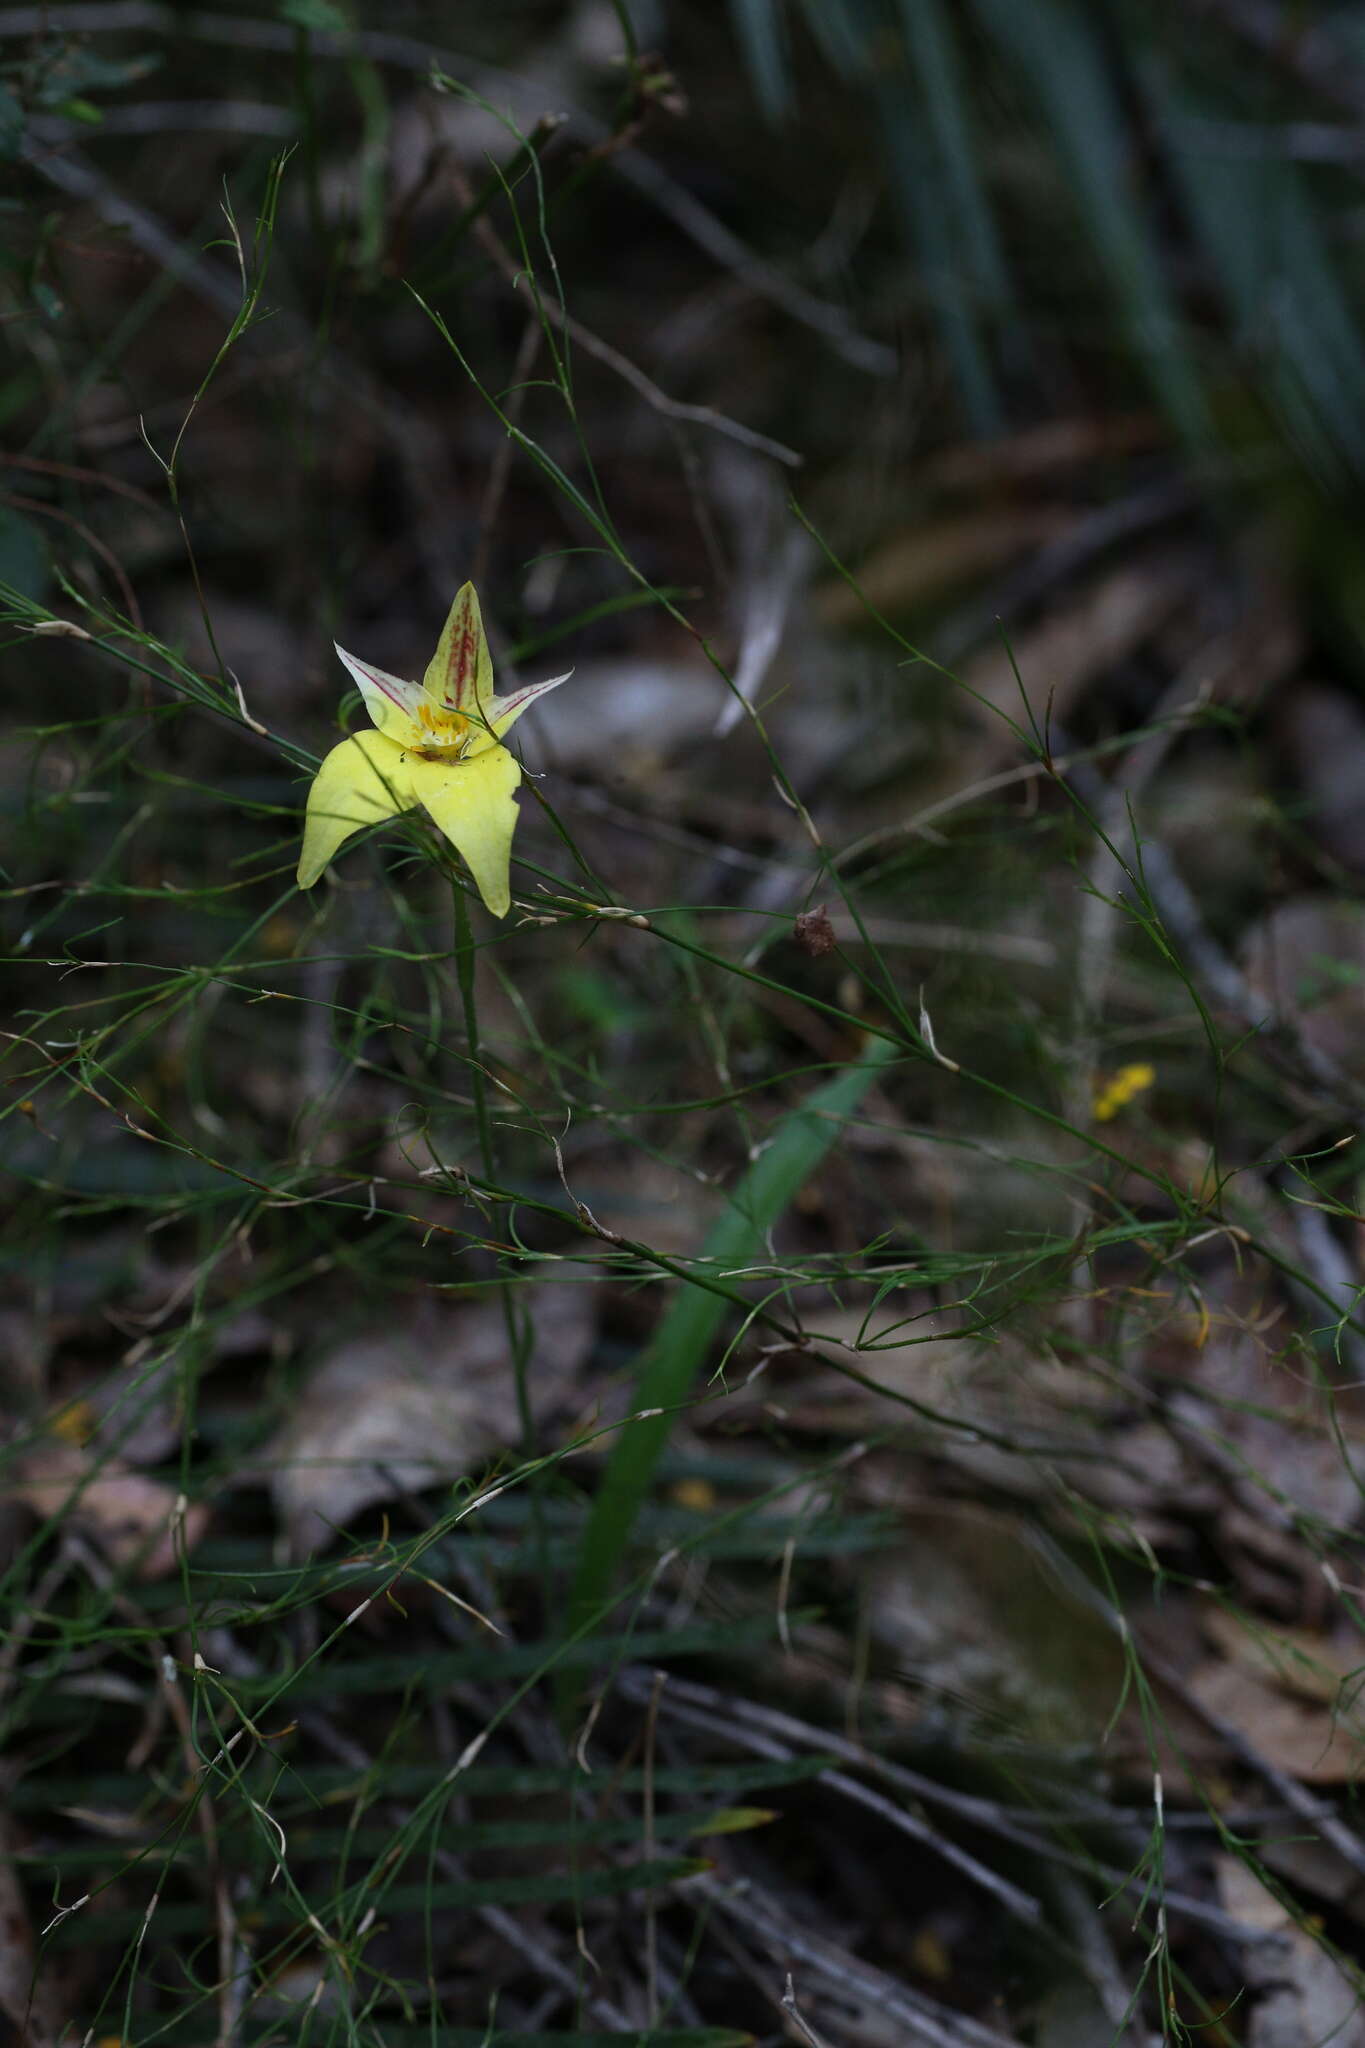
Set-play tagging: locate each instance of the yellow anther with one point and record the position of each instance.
(447, 728)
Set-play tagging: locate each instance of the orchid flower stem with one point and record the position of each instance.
(465, 962)
(464, 976)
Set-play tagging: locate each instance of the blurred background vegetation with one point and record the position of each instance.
(921, 1070)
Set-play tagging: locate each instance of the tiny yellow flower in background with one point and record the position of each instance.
(435, 743)
(1119, 1090)
(75, 1422)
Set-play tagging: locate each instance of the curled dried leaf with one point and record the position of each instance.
(814, 933)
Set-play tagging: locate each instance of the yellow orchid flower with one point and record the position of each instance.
(435, 743)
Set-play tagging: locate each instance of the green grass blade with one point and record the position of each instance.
(841, 33)
(762, 35)
(671, 1364)
(938, 247)
(1052, 45)
(1263, 238)
(929, 41)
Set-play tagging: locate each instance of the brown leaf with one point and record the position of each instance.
(970, 1603)
(1322, 732)
(1101, 624)
(1048, 450)
(925, 562)
(393, 1413)
(1300, 1661)
(1307, 959)
(132, 1518)
(1308, 1741)
(28, 2005)
(1298, 1993)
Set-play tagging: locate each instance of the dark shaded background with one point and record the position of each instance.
(977, 390)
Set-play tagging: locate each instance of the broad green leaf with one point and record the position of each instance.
(335, 1784)
(676, 1360)
(488, 1662)
(440, 1895)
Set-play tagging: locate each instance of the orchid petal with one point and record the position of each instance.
(503, 712)
(435, 743)
(472, 803)
(459, 675)
(366, 778)
(391, 703)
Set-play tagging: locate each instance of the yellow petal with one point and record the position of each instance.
(472, 802)
(366, 778)
(459, 675)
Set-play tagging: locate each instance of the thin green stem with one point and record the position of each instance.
(518, 1325)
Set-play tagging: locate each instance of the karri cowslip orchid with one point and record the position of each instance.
(435, 743)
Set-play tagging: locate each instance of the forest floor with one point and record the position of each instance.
(766, 1447)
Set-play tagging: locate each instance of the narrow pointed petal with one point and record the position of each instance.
(366, 778)
(503, 712)
(459, 675)
(473, 803)
(391, 703)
